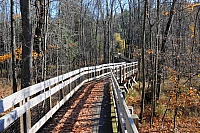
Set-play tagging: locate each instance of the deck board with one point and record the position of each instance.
(88, 111)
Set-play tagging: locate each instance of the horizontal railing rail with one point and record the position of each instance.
(40, 101)
(126, 123)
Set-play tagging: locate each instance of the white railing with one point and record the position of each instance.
(125, 120)
(43, 94)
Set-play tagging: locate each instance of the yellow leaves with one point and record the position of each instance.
(18, 53)
(51, 66)
(193, 30)
(191, 27)
(147, 14)
(42, 3)
(195, 5)
(117, 37)
(120, 43)
(191, 7)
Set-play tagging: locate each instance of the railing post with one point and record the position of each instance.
(123, 71)
(25, 119)
(121, 74)
(70, 87)
(28, 118)
(62, 95)
(95, 72)
(116, 72)
(50, 100)
(126, 67)
(21, 121)
(103, 70)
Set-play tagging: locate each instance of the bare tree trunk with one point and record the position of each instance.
(27, 47)
(26, 44)
(13, 45)
(143, 66)
(155, 65)
(38, 40)
(163, 45)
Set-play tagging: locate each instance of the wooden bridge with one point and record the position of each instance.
(85, 100)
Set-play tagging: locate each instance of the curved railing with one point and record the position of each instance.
(28, 109)
(125, 121)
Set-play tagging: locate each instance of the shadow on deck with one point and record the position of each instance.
(88, 111)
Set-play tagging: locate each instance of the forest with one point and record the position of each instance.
(41, 39)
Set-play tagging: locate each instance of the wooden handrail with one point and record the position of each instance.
(55, 84)
(126, 122)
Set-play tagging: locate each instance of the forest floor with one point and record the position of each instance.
(187, 120)
(5, 88)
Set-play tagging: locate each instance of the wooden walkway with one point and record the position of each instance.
(88, 111)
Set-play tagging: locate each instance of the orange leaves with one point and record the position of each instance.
(18, 55)
(171, 70)
(175, 40)
(150, 51)
(71, 45)
(35, 55)
(53, 47)
(5, 57)
(165, 13)
(173, 78)
(16, 16)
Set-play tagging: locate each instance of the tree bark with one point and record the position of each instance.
(163, 45)
(13, 45)
(26, 44)
(143, 66)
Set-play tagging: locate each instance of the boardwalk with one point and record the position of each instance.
(73, 102)
(89, 110)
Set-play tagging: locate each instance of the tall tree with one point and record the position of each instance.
(13, 46)
(143, 65)
(27, 44)
(163, 48)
